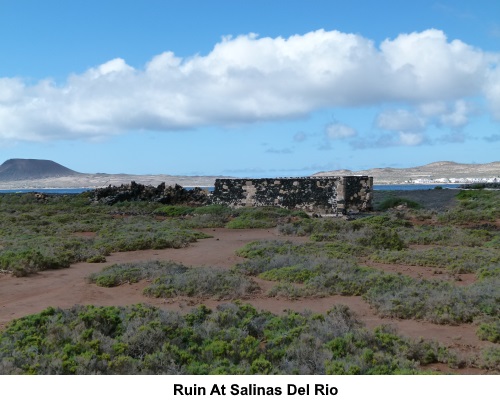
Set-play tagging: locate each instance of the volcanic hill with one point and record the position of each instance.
(27, 169)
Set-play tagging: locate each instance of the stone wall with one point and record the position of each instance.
(138, 192)
(322, 195)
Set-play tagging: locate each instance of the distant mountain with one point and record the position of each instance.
(432, 171)
(29, 169)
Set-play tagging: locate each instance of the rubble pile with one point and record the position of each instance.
(138, 192)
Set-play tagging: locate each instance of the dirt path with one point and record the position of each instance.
(68, 287)
(422, 272)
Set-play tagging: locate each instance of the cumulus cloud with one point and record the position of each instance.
(249, 79)
(400, 120)
(492, 91)
(408, 127)
(390, 139)
(337, 130)
(459, 116)
(411, 139)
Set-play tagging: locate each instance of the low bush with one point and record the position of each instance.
(216, 209)
(202, 282)
(301, 227)
(393, 202)
(170, 279)
(234, 339)
(262, 217)
(174, 210)
(436, 301)
(454, 259)
(312, 269)
(36, 236)
(474, 206)
(97, 259)
(447, 236)
(490, 359)
(489, 330)
(292, 274)
(117, 274)
(378, 237)
(368, 234)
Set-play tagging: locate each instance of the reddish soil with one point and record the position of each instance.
(423, 272)
(68, 287)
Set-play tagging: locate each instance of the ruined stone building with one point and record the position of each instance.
(323, 195)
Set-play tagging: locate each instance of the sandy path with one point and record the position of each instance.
(67, 287)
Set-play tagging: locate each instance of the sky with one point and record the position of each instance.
(249, 88)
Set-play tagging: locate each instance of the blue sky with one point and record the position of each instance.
(249, 88)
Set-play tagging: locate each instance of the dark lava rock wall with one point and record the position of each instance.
(355, 194)
(139, 192)
(324, 195)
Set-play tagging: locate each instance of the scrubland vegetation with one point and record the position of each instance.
(234, 339)
(237, 339)
(52, 233)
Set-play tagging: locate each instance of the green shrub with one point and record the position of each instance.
(393, 202)
(436, 301)
(489, 331)
(382, 238)
(38, 236)
(250, 223)
(174, 210)
(474, 206)
(202, 282)
(490, 358)
(447, 236)
(216, 209)
(293, 274)
(118, 274)
(455, 259)
(302, 227)
(97, 259)
(262, 217)
(233, 339)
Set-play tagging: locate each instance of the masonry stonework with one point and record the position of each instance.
(322, 195)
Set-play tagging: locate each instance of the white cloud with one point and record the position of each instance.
(432, 68)
(432, 108)
(399, 120)
(459, 116)
(410, 139)
(248, 79)
(390, 139)
(409, 127)
(339, 131)
(492, 90)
